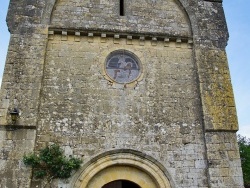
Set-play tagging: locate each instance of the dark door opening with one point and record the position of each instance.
(121, 184)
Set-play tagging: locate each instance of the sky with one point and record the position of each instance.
(238, 52)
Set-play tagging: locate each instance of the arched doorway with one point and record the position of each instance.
(121, 184)
(123, 169)
(125, 172)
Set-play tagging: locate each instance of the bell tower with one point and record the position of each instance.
(140, 90)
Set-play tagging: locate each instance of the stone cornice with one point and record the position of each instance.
(117, 35)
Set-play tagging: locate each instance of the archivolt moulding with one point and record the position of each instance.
(122, 166)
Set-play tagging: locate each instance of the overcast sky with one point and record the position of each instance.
(238, 51)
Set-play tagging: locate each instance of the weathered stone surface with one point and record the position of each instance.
(139, 16)
(224, 159)
(179, 112)
(14, 144)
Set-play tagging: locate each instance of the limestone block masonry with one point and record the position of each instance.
(160, 113)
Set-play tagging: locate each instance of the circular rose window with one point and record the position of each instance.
(122, 66)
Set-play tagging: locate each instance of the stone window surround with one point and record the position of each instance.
(129, 54)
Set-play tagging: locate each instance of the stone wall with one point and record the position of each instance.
(160, 116)
(223, 160)
(22, 77)
(139, 16)
(14, 143)
(180, 111)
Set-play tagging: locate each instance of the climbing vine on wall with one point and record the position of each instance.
(51, 164)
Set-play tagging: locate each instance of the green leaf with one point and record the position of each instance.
(52, 163)
(244, 148)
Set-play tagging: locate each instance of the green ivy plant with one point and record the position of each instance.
(51, 164)
(244, 147)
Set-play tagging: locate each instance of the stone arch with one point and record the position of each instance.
(188, 14)
(177, 22)
(133, 166)
(48, 10)
(50, 6)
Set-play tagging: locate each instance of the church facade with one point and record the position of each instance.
(139, 90)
